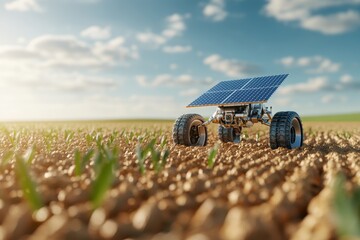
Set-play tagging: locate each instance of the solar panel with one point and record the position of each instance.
(250, 95)
(211, 98)
(268, 81)
(243, 91)
(229, 85)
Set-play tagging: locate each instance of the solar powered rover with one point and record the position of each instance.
(240, 105)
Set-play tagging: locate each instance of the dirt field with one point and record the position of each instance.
(50, 189)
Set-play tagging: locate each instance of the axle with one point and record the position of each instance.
(241, 116)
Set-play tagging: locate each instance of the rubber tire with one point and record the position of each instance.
(228, 135)
(281, 130)
(182, 128)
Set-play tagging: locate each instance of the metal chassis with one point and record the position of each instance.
(240, 116)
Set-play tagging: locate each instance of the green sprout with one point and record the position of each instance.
(69, 135)
(347, 209)
(257, 137)
(212, 156)
(6, 157)
(105, 165)
(28, 186)
(30, 155)
(163, 141)
(158, 157)
(81, 160)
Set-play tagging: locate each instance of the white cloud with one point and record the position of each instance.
(327, 98)
(32, 5)
(312, 85)
(284, 101)
(174, 28)
(346, 79)
(173, 66)
(315, 64)
(62, 63)
(215, 10)
(97, 33)
(189, 92)
(333, 24)
(175, 25)
(321, 83)
(177, 49)
(89, 1)
(209, 81)
(70, 52)
(347, 82)
(141, 80)
(151, 38)
(184, 79)
(164, 80)
(306, 14)
(28, 106)
(23, 6)
(230, 67)
(287, 61)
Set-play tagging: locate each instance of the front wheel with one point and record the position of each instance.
(189, 131)
(286, 131)
(229, 134)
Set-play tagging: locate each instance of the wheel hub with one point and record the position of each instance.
(295, 133)
(197, 133)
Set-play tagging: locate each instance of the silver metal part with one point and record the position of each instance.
(241, 116)
(296, 134)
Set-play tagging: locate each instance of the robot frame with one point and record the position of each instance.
(240, 105)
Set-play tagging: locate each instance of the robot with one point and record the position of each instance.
(240, 104)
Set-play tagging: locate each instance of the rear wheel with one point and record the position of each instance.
(229, 134)
(189, 131)
(286, 131)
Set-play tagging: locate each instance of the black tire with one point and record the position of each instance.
(286, 131)
(188, 132)
(229, 134)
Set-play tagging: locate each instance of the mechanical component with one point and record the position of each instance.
(240, 105)
(189, 130)
(286, 131)
(229, 134)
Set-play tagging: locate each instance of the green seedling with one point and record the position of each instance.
(81, 160)
(347, 135)
(158, 157)
(105, 173)
(131, 135)
(163, 141)
(112, 137)
(142, 154)
(347, 210)
(89, 139)
(6, 157)
(69, 135)
(30, 155)
(28, 186)
(212, 156)
(99, 140)
(257, 137)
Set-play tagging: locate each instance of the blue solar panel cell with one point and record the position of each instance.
(230, 85)
(211, 98)
(268, 81)
(250, 90)
(250, 95)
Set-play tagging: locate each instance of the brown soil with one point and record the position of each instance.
(252, 192)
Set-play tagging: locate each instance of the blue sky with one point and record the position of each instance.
(100, 59)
